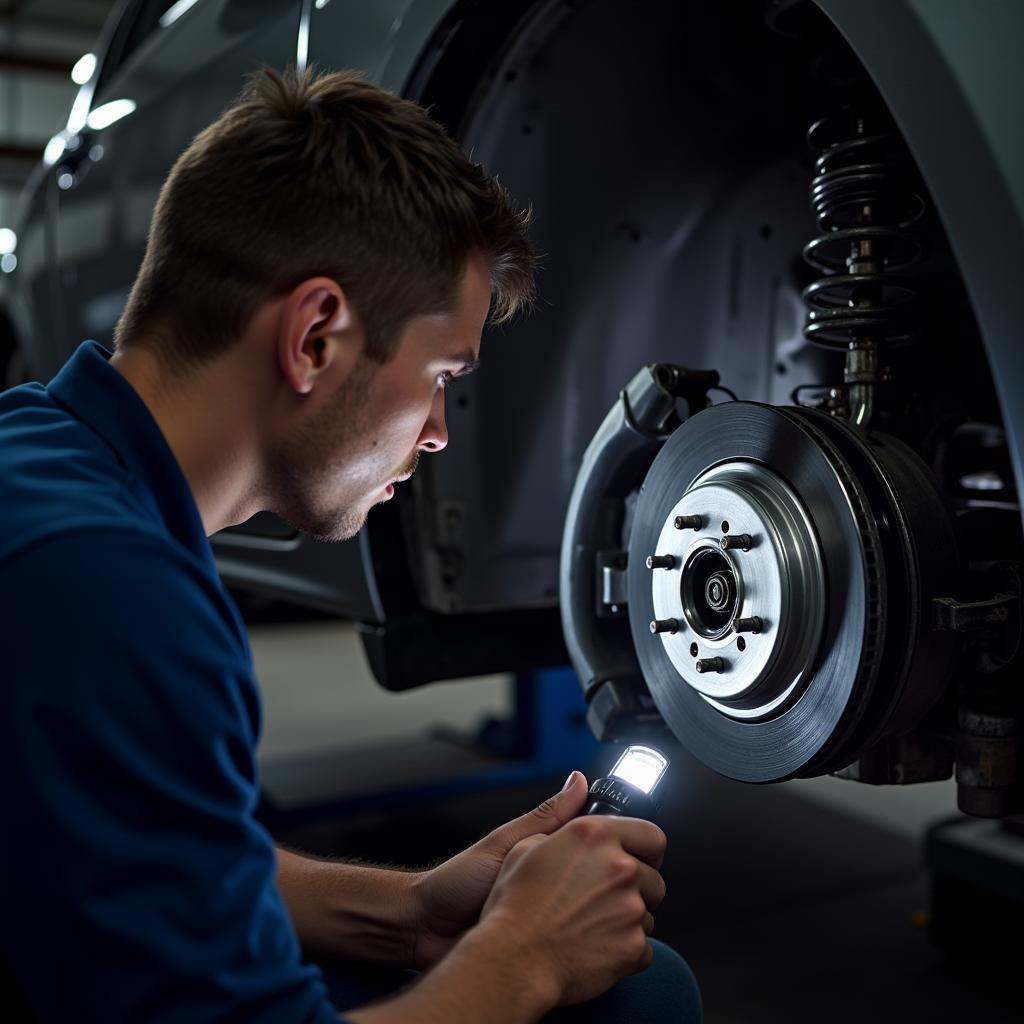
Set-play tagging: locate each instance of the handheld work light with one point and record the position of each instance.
(629, 789)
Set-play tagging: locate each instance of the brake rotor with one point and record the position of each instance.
(780, 624)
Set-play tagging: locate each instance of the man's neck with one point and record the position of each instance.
(205, 417)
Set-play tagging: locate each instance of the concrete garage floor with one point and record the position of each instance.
(797, 903)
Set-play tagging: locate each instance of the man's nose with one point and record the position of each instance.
(434, 436)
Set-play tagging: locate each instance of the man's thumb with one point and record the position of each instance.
(549, 816)
(572, 785)
(566, 803)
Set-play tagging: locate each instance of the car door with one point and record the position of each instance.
(168, 70)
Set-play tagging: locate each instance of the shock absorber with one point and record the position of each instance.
(865, 202)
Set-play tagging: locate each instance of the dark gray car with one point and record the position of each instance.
(836, 574)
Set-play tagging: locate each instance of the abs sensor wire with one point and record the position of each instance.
(728, 391)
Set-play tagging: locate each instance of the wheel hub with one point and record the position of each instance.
(780, 563)
(776, 580)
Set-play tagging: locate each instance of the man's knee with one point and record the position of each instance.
(675, 979)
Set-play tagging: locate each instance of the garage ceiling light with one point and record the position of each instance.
(83, 69)
(55, 149)
(172, 14)
(105, 115)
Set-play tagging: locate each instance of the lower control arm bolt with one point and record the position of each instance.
(732, 541)
(661, 561)
(754, 624)
(688, 522)
(665, 626)
(710, 664)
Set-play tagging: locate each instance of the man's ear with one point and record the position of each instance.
(318, 334)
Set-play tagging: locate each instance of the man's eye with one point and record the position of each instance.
(446, 380)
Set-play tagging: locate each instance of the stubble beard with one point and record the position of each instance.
(300, 468)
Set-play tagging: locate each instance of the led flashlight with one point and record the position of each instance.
(630, 787)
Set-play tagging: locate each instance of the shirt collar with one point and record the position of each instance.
(104, 400)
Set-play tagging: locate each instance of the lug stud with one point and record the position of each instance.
(733, 541)
(661, 561)
(665, 626)
(688, 522)
(710, 664)
(754, 624)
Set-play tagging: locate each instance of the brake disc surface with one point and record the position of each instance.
(766, 644)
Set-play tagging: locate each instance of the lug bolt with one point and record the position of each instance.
(665, 626)
(732, 541)
(710, 664)
(752, 625)
(661, 561)
(688, 522)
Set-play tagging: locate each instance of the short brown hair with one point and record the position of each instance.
(309, 175)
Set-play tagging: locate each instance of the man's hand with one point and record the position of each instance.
(567, 916)
(578, 905)
(451, 896)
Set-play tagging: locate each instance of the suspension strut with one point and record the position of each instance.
(865, 202)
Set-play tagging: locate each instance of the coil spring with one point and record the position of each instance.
(864, 201)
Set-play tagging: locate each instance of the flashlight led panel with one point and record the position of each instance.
(641, 767)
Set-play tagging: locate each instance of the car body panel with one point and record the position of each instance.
(179, 78)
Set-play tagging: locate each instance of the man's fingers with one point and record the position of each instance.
(648, 956)
(651, 886)
(548, 817)
(649, 923)
(644, 840)
(645, 961)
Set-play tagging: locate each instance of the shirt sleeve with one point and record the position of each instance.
(138, 884)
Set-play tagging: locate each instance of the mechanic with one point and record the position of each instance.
(320, 265)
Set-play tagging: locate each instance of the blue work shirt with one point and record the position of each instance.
(136, 884)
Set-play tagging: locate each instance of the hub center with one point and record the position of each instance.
(709, 592)
(718, 591)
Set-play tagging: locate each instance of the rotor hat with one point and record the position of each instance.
(720, 585)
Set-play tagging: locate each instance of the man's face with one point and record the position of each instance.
(370, 435)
